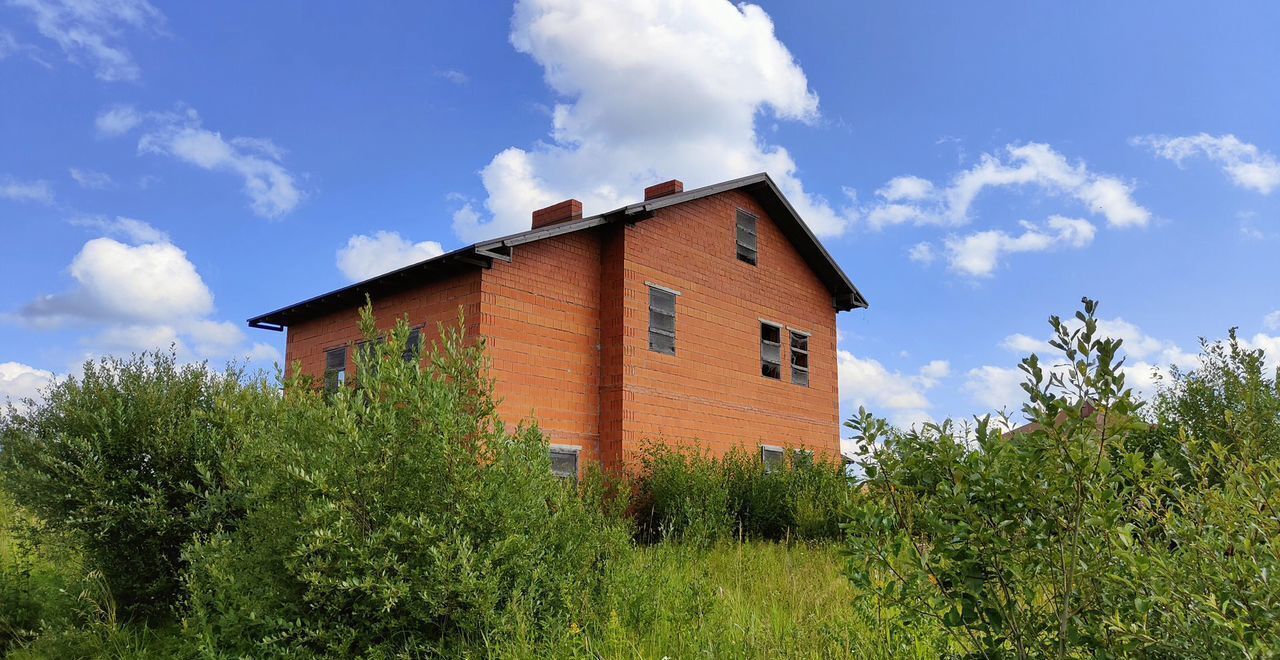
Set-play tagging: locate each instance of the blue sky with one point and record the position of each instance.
(168, 170)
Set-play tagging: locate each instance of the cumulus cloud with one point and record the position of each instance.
(912, 200)
(680, 100)
(271, 188)
(1245, 164)
(89, 32)
(116, 281)
(900, 396)
(1272, 321)
(139, 295)
(19, 381)
(90, 179)
(366, 256)
(25, 191)
(978, 254)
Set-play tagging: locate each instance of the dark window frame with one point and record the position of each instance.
(335, 368)
(564, 451)
(366, 350)
(771, 369)
(413, 344)
(660, 337)
(799, 373)
(746, 237)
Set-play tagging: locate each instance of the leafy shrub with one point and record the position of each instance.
(1229, 399)
(1074, 536)
(399, 517)
(118, 464)
(689, 495)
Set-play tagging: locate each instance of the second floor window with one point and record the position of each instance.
(799, 358)
(335, 368)
(770, 350)
(662, 320)
(746, 237)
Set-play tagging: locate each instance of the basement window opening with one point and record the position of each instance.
(746, 237)
(770, 350)
(564, 462)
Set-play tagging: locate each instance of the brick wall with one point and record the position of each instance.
(711, 391)
(429, 305)
(540, 316)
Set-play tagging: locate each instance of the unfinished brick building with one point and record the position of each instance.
(705, 316)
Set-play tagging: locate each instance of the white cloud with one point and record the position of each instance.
(271, 188)
(901, 397)
(910, 199)
(88, 32)
(25, 191)
(91, 179)
(680, 100)
(115, 281)
(1020, 343)
(922, 253)
(1272, 321)
(910, 188)
(366, 256)
(117, 120)
(20, 381)
(979, 254)
(1269, 344)
(144, 295)
(995, 388)
(1245, 164)
(135, 231)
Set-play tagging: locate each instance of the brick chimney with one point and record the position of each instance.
(663, 189)
(569, 209)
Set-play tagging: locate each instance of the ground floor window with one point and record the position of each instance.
(773, 458)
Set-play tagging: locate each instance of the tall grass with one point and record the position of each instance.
(736, 600)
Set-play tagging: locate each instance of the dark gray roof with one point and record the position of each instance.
(845, 296)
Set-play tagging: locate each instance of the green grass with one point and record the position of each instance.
(752, 600)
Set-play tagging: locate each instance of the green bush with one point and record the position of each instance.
(1079, 537)
(689, 495)
(399, 517)
(119, 465)
(1228, 399)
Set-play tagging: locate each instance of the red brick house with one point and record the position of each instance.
(703, 316)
